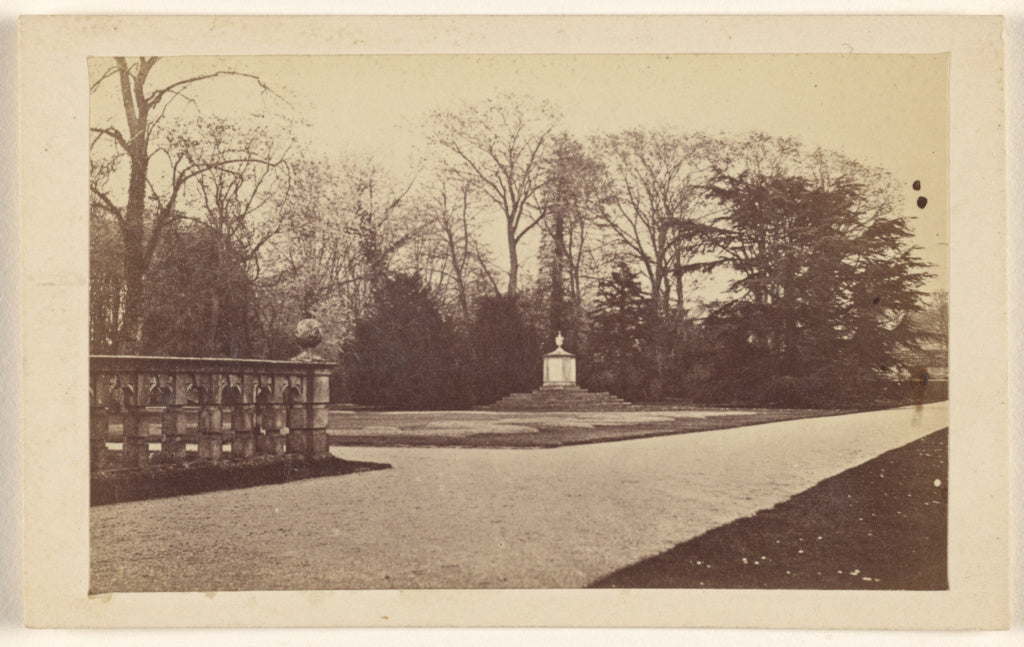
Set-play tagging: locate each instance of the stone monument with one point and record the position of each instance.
(559, 391)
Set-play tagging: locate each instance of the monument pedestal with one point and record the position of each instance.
(559, 367)
(559, 391)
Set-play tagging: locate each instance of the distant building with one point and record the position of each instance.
(932, 361)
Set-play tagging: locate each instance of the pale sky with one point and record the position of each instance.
(884, 110)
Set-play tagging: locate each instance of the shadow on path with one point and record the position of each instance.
(881, 525)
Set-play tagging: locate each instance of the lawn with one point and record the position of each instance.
(538, 429)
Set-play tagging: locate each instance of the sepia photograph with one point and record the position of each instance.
(375, 322)
(521, 321)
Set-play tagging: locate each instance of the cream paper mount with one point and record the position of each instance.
(55, 59)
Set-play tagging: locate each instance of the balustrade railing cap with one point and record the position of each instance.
(169, 364)
(308, 335)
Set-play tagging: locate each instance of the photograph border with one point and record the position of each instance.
(54, 117)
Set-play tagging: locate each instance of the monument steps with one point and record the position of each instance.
(561, 398)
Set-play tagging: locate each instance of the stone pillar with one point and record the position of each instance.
(314, 440)
(211, 439)
(243, 442)
(317, 442)
(136, 432)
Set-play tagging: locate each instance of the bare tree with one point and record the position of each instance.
(106, 283)
(144, 211)
(453, 229)
(459, 264)
(313, 264)
(379, 218)
(238, 203)
(659, 179)
(499, 147)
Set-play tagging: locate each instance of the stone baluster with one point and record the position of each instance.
(173, 423)
(229, 398)
(243, 443)
(295, 401)
(211, 439)
(262, 397)
(135, 387)
(272, 415)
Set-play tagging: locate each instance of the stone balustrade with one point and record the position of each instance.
(258, 406)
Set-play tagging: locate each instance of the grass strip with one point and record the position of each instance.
(881, 525)
(549, 436)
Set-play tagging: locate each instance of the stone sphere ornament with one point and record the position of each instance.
(308, 335)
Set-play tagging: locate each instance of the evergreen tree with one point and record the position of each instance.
(619, 344)
(200, 298)
(402, 355)
(507, 349)
(826, 283)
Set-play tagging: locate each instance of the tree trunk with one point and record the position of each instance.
(458, 268)
(557, 288)
(680, 304)
(134, 223)
(129, 339)
(513, 264)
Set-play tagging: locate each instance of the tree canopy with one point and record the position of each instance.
(710, 268)
(825, 282)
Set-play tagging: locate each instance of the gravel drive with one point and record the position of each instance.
(482, 518)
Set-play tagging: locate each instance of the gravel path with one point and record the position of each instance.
(482, 518)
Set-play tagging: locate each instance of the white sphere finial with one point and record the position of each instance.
(559, 339)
